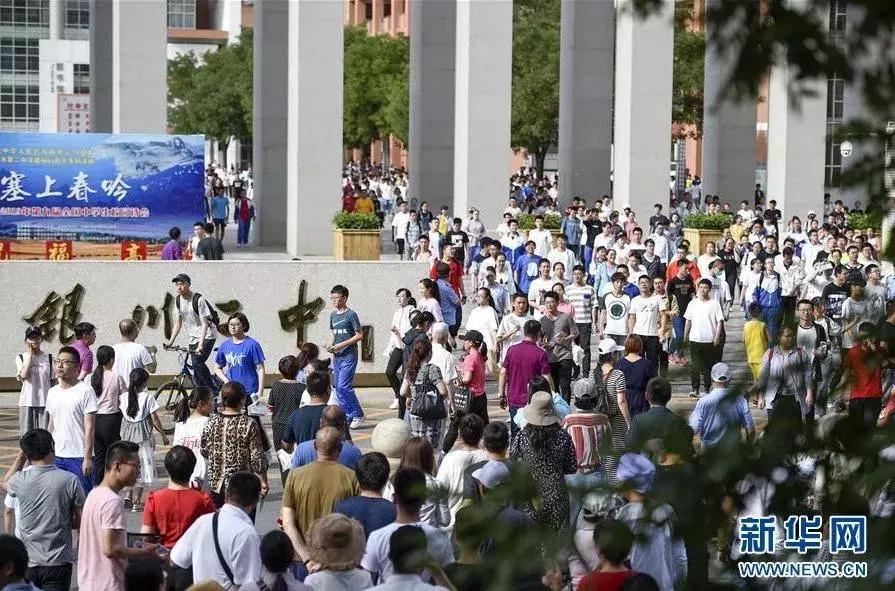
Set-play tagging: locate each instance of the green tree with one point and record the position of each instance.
(375, 87)
(535, 112)
(689, 71)
(213, 95)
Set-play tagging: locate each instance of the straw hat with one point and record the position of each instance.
(337, 542)
(540, 410)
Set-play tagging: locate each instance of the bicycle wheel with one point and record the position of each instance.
(168, 396)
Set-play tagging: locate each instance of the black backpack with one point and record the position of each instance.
(212, 313)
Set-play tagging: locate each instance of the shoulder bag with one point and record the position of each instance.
(426, 402)
(217, 548)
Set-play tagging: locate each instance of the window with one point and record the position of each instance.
(19, 55)
(838, 21)
(77, 14)
(19, 103)
(21, 13)
(835, 98)
(833, 165)
(81, 79)
(182, 14)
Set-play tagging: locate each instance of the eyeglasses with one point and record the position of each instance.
(63, 362)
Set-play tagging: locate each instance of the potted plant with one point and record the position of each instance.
(702, 228)
(356, 236)
(552, 222)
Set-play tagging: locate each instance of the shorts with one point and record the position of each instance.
(219, 222)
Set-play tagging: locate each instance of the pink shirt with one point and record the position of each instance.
(86, 355)
(524, 360)
(103, 510)
(476, 364)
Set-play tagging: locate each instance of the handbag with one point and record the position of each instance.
(427, 403)
(462, 400)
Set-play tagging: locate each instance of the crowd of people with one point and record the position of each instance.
(572, 326)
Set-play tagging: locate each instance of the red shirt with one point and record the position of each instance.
(475, 363)
(866, 368)
(693, 271)
(524, 360)
(604, 581)
(454, 277)
(172, 512)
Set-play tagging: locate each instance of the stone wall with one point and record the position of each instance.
(267, 292)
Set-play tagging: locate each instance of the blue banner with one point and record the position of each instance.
(100, 187)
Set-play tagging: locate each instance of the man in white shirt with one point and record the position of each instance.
(647, 320)
(504, 227)
(541, 237)
(71, 407)
(193, 311)
(130, 355)
(511, 326)
(562, 254)
(605, 238)
(235, 538)
(705, 260)
(663, 245)
(513, 239)
(399, 228)
(452, 470)
(746, 212)
(540, 286)
(513, 209)
(811, 249)
(410, 493)
(703, 331)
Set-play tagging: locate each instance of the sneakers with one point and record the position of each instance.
(357, 423)
(394, 405)
(694, 394)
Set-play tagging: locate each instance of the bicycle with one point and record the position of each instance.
(169, 394)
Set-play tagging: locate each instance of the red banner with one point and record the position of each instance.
(132, 250)
(5, 250)
(59, 250)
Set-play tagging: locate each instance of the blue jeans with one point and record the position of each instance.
(585, 260)
(677, 323)
(74, 466)
(242, 231)
(343, 378)
(771, 316)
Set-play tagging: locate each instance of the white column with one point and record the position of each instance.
(57, 19)
(432, 59)
(796, 141)
(643, 76)
(482, 132)
(128, 58)
(587, 46)
(269, 122)
(728, 148)
(314, 152)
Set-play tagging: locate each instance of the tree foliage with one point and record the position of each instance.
(535, 112)
(212, 95)
(689, 71)
(376, 89)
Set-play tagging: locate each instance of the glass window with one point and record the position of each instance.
(77, 14)
(833, 157)
(20, 13)
(81, 79)
(182, 14)
(838, 14)
(19, 103)
(19, 55)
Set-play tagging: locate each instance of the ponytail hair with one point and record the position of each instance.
(139, 377)
(307, 353)
(187, 404)
(488, 297)
(483, 349)
(104, 355)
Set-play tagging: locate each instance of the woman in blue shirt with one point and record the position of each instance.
(240, 358)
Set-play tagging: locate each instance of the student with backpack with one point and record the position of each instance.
(201, 321)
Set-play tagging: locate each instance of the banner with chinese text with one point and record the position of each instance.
(99, 188)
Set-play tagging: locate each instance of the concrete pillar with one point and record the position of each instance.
(57, 19)
(395, 17)
(314, 151)
(360, 12)
(376, 21)
(128, 60)
(796, 140)
(269, 124)
(587, 45)
(484, 80)
(643, 75)
(432, 87)
(234, 148)
(728, 149)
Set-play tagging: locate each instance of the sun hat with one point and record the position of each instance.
(607, 346)
(389, 438)
(539, 410)
(337, 542)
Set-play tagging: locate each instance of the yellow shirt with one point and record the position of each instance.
(737, 231)
(443, 221)
(756, 338)
(364, 205)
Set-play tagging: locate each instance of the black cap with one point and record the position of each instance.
(32, 331)
(182, 278)
(474, 336)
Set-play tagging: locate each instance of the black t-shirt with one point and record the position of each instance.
(658, 219)
(682, 291)
(834, 296)
(457, 239)
(469, 577)
(210, 249)
(303, 424)
(730, 263)
(592, 228)
(771, 216)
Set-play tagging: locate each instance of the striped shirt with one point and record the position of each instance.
(591, 435)
(582, 299)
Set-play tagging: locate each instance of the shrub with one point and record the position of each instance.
(551, 222)
(356, 221)
(862, 221)
(704, 221)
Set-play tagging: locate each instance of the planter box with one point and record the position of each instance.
(356, 245)
(699, 238)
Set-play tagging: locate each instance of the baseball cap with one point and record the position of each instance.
(474, 336)
(182, 278)
(720, 372)
(492, 474)
(608, 346)
(32, 331)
